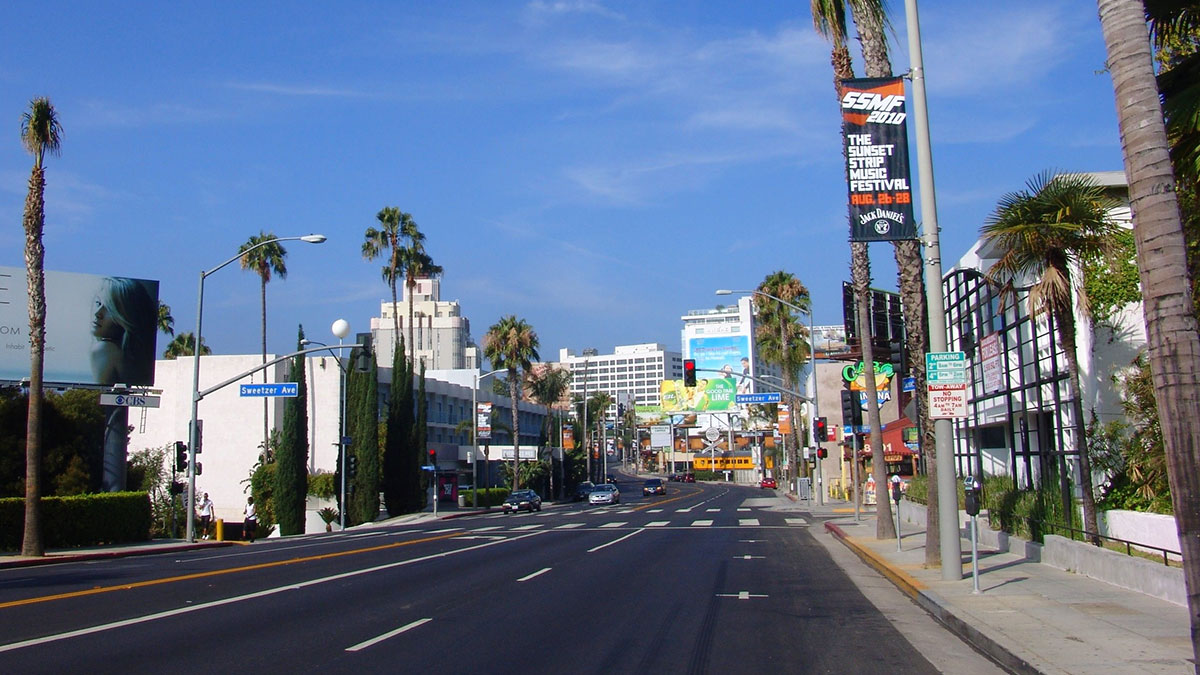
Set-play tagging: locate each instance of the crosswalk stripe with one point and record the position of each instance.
(795, 521)
(743, 508)
(485, 529)
(748, 521)
(655, 511)
(528, 527)
(687, 510)
(569, 526)
(701, 523)
(713, 510)
(616, 524)
(658, 523)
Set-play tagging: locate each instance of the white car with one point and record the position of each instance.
(605, 494)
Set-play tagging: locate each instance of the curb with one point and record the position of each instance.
(58, 558)
(938, 608)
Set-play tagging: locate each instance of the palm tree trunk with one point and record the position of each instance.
(860, 274)
(1066, 336)
(32, 543)
(266, 431)
(1173, 341)
(512, 394)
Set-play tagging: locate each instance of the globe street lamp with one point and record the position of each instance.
(194, 431)
(340, 329)
(812, 336)
(475, 439)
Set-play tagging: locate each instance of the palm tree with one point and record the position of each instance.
(166, 322)
(1162, 262)
(782, 339)
(388, 239)
(184, 344)
(1041, 233)
(512, 344)
(547, 387)
(416, 264)
(599, 404)
(264, 261)
(40, 133)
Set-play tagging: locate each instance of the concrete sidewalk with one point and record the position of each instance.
(1029, 617)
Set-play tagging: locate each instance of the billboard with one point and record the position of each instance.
(876, 151)
(707, 396)
(99, 330)
(729, 354)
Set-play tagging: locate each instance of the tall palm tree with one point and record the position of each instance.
(1041, 233)
(1162, 263)
(829, 19)
(166, 322)
(548, 386)
(264, 261)
(599, 404)
(389, 240)
(184, 344)
(41, 133)
(782, 338)
(512, 344)
(416, 264)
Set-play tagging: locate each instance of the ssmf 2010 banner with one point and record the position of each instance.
(876, 137)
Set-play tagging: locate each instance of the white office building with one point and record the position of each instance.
(441, 334)
(631, 373)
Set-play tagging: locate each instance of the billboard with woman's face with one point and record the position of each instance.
(99, 330)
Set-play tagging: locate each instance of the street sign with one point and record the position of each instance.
(429, 467)
(861, 429)
(946, 367)
(130, 400)
(947, 401)
(712, 433)
(660, 436)
(286, 389)
(768, 397)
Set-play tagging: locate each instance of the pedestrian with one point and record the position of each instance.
(205, 511)
(251, 521)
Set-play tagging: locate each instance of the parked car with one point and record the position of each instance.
(522, 500)
(585, 488)
(654, 486)
(610, 479)
(675, 477)
(688, 478)
(605, 494)
(768, 484)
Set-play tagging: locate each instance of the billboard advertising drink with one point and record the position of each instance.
(728, 354)
(99, 330)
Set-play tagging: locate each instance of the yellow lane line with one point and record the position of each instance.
(213, 573)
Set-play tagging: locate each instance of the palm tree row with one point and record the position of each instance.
(402, 242)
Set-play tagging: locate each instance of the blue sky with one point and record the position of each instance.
(597, 168)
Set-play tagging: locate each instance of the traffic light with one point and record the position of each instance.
(181, 456)
(362, 362)
(820, 431)
(851, 409)
(689, 372)
(199, 436)
(176, 487)
(351, 466)
(432, 456)
(822, 453)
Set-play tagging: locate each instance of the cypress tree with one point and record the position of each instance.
(418, 443)
(362, 409)
(291, 460)
(397, 465)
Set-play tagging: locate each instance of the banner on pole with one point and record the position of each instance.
(483, 421)
(876, 151)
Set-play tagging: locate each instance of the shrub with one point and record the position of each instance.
(1027, 513)
(487, 496)
(80, 520)
(321, 485)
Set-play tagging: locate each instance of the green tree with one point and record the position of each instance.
(389, 240)
(511, 344)
(1169, 305)
(783, 340)
(401, 480)
(419, 435)
(264, 260)
(166, 322)
(41, 133)
(184, 344)
(362, 411)
(291, 460)
(1043, 234)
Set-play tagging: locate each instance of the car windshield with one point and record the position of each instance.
(605, 488)
(654, 482)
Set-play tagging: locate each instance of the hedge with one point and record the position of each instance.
(80, 520)
(487, 496)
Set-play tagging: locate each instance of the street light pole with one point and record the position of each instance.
(475, 437)
(341, 328)
(193, 431)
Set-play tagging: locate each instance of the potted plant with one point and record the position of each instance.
(328, 514)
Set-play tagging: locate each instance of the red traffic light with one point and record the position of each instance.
(689, 372)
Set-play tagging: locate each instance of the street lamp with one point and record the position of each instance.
(475, 438)
(194, 431)
(340, 329)
(812, 336)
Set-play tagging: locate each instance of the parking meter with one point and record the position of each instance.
(896, 488)
(972, 489)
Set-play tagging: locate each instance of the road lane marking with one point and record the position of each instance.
(527, 577)
(569, 526)
(743, 509)
(658, 523)
(701, 523)
(655, 511)
(214, 573)
(614, 524)
(712, 510)
(488, 528)
(749, 557)
(740, 595)
(524, 528)
(249, 596)
(795, 521)
(614, 541)
(748, 522)
(391, 634)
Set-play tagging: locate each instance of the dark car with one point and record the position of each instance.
(610, 479)
(522, 500)
(675, 478)
(585, 488)
(688, 478)
(654, 486)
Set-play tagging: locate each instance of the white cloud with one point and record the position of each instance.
(540, 10)
(295, 89)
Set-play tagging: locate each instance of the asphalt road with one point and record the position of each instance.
(703, 580)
